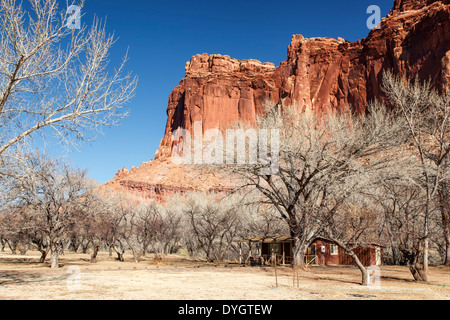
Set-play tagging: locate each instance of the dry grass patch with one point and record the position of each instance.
(179, 278)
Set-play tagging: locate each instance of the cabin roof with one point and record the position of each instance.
(279, 239)
(267, 239)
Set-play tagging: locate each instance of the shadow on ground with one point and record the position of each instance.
(16, 277)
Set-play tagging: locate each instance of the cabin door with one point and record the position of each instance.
(310, 256)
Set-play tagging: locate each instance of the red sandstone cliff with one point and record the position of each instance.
(319, 73)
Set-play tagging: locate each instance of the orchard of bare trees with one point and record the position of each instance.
(54, 208)
(382, 176)
(379, 177)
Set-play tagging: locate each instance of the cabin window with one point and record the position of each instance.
(334, 249)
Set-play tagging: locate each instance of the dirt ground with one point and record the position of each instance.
(177, 278)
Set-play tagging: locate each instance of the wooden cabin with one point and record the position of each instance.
(322, 252)
(325, 252)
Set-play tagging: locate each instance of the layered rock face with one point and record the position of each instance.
(407, 5)
(218, 91)
(318, 74)
(161, 178)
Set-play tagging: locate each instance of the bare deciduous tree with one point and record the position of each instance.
(168, 225)
(213, 223)
(140, 222)
(321, 162)
(54, 80)
(426, 119)
(94, 225)
(353, 225)
(444, 208)
(54, 193)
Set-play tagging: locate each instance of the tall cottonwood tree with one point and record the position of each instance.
(404, 204)
(55, 81)
(54, 193)
(353, 224)
(444, 208)
(425, 114)
(321, 157)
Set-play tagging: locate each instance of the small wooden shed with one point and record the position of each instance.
(263, 249)
(321, 252)
(326, 252)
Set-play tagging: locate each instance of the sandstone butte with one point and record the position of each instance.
(319, 74)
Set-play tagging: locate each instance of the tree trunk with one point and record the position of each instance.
(24, 249)
(426, 247)
(85, 247)
(418, 273)
(137, 257)
(361, 267)
(412, 256)
(426, 238)
(395, 258)
(62, 249)
(54, 252)
(74, 245)
(12, 246)
(444, 206)
(54, 258)
(417, 270)
(43, 256)
(94, 253)
(136, 254)
(119, 249)
(43, 252)
(299, 250)
(447, 250)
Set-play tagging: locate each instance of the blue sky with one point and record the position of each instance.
(162, 35)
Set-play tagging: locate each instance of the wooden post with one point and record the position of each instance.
(293, 276)
(274, 261)
(240, 253)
